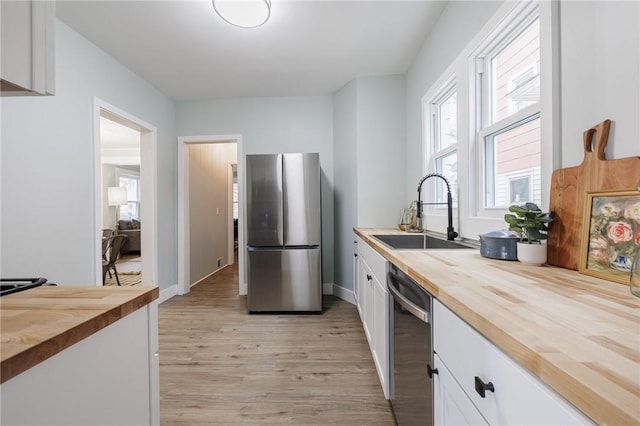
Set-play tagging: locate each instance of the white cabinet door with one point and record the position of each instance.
(27, 47)
(356, 262)
(365, 299)
(369, 303)
(154, 363)
(373, 305)
(381, 333)
(451, 406)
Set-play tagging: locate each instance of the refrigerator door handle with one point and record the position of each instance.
(281, 197)
(285, 205)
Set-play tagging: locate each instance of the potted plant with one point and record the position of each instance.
(532, 225)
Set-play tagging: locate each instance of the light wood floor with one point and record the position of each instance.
(220, 365)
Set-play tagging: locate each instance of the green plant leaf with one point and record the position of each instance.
(529, 221)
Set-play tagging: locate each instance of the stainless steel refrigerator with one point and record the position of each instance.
(284, 264)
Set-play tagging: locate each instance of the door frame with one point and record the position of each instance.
(230, 254)
(148, 188)
(183, 208)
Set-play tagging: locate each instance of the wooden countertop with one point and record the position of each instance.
(38, 323)
(578, 334)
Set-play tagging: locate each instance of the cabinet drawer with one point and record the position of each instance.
(376, 262)
(518, 398)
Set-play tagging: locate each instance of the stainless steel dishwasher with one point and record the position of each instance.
(411, 351)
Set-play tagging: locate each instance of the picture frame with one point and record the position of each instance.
(610, 234)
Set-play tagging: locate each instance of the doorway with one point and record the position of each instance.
(186, 162)
(128, 161)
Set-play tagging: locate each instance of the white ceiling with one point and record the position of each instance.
(306, 48)
(116, 136)
(119, 144)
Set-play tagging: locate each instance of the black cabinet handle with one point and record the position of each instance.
(431, 371)
(482, 387)
(369, 277)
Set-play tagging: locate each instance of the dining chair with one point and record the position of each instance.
(106, 233)
(105, 249)
(108, 265)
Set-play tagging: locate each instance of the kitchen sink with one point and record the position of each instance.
(417, 242)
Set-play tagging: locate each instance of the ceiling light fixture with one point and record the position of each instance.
(243, 13)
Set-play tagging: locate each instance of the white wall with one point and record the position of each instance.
(208, 206)
(600, 68)
(268, 125)
(369, 147)
(345, 141)
(381, 150)
(47, 163)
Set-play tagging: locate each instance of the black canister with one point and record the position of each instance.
(499, 245)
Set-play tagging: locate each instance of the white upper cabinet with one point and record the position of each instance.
(27, 63)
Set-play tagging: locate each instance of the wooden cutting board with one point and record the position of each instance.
(570, 185)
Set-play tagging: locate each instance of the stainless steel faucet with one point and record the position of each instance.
(451, 233)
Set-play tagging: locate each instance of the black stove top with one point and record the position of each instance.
(14, 285)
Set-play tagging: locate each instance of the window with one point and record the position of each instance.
(523, 89)
(484, 117)
(131, 181)
(508, 99)
(519, 189)
(442, 123)
(235, 200)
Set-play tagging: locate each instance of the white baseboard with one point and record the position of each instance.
(327, 288)
(344, 294)
(168, 293)
(205, 277)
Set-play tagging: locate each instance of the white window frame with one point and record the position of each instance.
(435, 216)
(514, 23)
(129, 174)
(432, 102)
(235, 199)
(520, 118)
(469, 220)
(528, 174)
(534, 69)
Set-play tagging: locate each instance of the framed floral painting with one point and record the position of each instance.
(611, 234)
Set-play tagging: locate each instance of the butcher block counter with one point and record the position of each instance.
(578, 334)
(41, 322)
